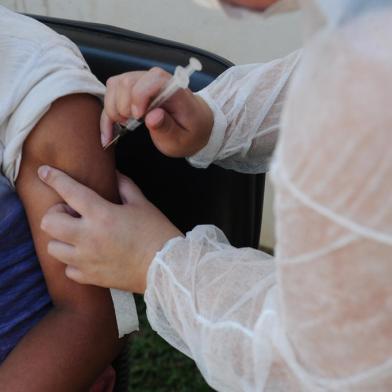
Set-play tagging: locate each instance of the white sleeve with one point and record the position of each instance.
(247, 101)
(317, 317)
(35, 79)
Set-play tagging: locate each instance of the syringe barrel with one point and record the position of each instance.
(170, 89)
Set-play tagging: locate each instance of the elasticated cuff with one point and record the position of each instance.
(208, 154)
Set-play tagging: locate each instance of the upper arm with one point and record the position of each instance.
(67, 138)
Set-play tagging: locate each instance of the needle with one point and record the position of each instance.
(111, 142)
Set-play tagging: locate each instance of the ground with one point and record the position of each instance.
(157, 367)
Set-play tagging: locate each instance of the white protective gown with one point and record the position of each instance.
(317, 316)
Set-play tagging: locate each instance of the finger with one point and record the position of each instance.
(75, 274)
(110, 104)
(63, 208)
(118, 99)
(106, 125)
(156, 120)
(61, 226)
(128, 190)
(76, 195)
(124, 93)
(146, 89)
(64, 253)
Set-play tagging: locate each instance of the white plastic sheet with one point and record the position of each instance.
(318, 316)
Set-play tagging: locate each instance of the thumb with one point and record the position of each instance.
(158, 120)
(128, 190)
(165, 132)
(79, 197)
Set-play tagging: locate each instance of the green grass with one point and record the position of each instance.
(157, 367)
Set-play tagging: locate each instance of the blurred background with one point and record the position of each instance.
(241, 41)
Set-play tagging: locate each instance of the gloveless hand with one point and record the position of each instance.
(180, 128)
(102, 243)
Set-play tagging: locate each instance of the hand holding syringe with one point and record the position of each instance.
(180, 80)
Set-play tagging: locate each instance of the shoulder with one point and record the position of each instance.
(28, 46)
(342, 85)
(38, 67)
(336, 123)
(24, 40)
(24, 30)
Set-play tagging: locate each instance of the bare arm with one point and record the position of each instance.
(72, 345)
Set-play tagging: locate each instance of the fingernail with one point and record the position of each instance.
(160, 119)
(155, 120)
(135, 111)
(43, 172)
(43, 224)
(104, 139)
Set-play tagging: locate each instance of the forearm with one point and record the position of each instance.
(66, 352)
(247, 102)
(206, 298)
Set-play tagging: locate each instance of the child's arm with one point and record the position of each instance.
(74, 343)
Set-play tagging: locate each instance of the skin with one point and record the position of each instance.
(129, 247)
(180, 128)
(259, 5)
(77, 339)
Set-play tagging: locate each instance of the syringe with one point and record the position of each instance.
(180, 79)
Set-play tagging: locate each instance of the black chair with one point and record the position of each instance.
(188, 196)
